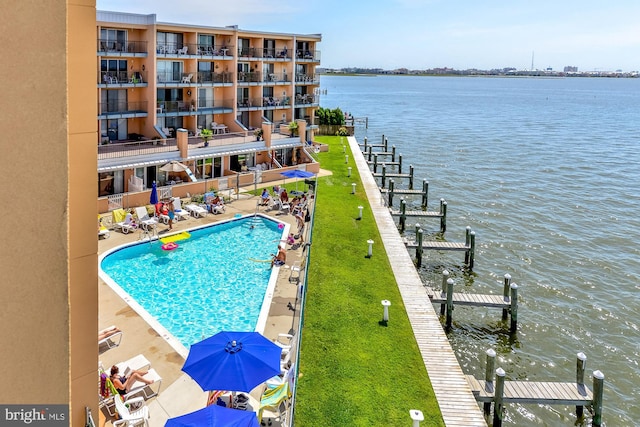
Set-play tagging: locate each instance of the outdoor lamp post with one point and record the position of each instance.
(349, 171)
(370, 251)
(359, 212)
(416, 416)
(346, 158)
(385, 312)
(353, 188)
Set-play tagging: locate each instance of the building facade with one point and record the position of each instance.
(159, 85)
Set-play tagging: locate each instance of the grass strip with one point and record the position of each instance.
(355, 371)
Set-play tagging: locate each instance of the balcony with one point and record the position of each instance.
(308, 79)
(276, 78)
(193, 108)
(308, 55)
(250, 78)
(122, 49)
(112, 79)
(194, 50)
(307, 100)
(172, 78)
(270, 54)
(122, 109)
(208, 78)
(264, 103)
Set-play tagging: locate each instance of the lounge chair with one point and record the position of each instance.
(284, 341)
(112, 338)
(276, 400)
(296, 268)
(123, 221)
(279, 380)
(132, 412)
(144, 219)
(177, 209)
(196, 211)
(102, 230)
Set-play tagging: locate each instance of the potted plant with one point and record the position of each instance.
(258, 133)
(206, 135)
(293, 127)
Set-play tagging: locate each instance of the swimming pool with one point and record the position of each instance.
(218, 279)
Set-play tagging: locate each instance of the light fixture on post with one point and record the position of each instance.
(189, 92)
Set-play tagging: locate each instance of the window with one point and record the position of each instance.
(205, 97)
(269, 48)
(113, 68)
(169, 42)
(206, 42)
(170, 71)
(113, 39)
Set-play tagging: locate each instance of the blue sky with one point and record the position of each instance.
(419, 34)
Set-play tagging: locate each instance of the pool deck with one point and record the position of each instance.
(179, 394)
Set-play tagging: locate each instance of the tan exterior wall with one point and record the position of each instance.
(49, 262)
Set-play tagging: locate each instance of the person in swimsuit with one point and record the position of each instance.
(123, 384)
(280, 258)
(171, 213)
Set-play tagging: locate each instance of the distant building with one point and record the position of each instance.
(570, 69)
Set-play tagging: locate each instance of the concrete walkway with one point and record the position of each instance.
(457, 404)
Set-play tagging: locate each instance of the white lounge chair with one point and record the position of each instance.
(177, 208)
(296, 268)
(132, 412)
(125, 226)
(146, 222)
(196, 211)
(112, 340)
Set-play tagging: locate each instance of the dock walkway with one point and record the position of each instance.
(457, 403)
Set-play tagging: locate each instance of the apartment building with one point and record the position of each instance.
(159, 85)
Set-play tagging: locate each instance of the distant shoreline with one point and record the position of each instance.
(529, 76)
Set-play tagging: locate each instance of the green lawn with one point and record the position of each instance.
(355, 371)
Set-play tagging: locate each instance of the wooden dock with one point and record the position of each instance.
(474, 300)
(468, 247)
(552, 393)
(457, 404)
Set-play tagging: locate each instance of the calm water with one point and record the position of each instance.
(547, 173)
(210, 283)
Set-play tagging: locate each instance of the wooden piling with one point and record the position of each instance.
(386, 144)
(410, 177)
(581, 364)
(419, 248)
(598, 391)
(449, 319)
(391, 187)
(382, 142)
(498, 406)
(393, 153)
(384, 175)
(467, 243)
(375, 163)
(505, 293)
(488, 376)
(472, 250)
(365, 145)
(400, 163)
(443, 217)
(445, 277)
(514, 306)
(370, 152)
(403, 215)
(425, 190)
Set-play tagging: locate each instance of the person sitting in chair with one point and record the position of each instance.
(280, 258)
(265, 197)
(123, 383)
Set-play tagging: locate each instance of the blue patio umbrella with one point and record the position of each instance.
(297, 173)
(215, 416)
(154, 194)
(235, 361)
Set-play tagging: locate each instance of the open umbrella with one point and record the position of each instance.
(154, 194)
(297, 173)
(215, 416)
(237, 361)
(175, 166)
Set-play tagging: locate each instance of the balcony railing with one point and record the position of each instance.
(249, 77)
(308, 55)
(176, 77)
(276, 78)
(177, 49)
(307, 78)
(122, 107)
(200, 105)
(121, 77)
(265, 53)
(267, 101)
(306, 99)
(105, 47)
(210, 77)
(138, 148)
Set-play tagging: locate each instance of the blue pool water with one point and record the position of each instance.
(212, 282)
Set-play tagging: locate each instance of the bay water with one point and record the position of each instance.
(546, 171)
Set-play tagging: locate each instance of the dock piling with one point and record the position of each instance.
(467, 243)
(410, 177)
(514, 308)
(505, 293)
(488, 376)
(403, 215)
(370, 152)
(384, 175)
(365, 145)
(598, 391)
(472, 249)
(443, 217)
(393, 153)
(391, 187)
(449, 318)
(581, 364)
(445, 277)
(419, 247)
(425, 190)
(400, 163)
(498, 406)
(375, 162)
